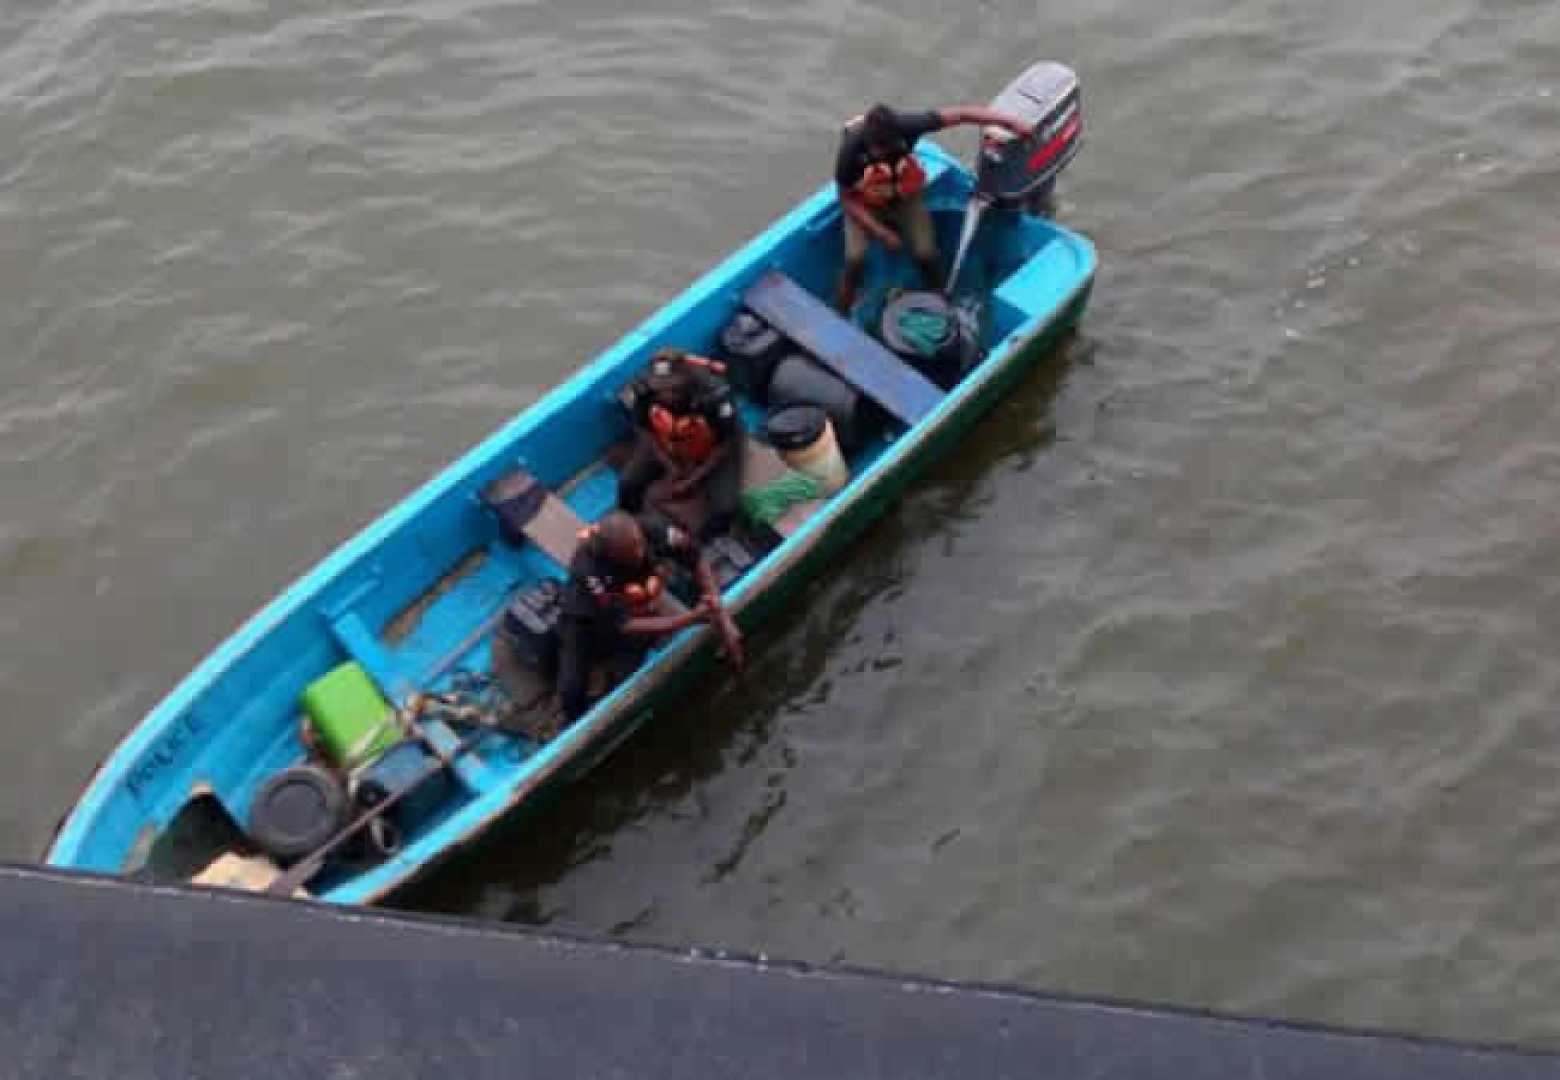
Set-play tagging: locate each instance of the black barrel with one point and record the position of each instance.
(799, 380)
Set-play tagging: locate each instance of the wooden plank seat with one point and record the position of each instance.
(528, 511)
(843, 347)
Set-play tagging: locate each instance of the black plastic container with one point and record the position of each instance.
(530, 626)
(404, 766)
(795, 427)
(799, 380)
(945, 361)
(751, 349)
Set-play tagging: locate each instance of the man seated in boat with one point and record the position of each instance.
(612, 609)
(689, 441)
(880, 184)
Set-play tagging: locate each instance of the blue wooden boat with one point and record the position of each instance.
(412, 598)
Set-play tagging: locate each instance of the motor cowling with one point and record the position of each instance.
(1016, 173)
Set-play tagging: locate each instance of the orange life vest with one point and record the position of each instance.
(687, 440)
(883, 183)
(641, 596)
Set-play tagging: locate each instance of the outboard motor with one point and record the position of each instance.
(1020, 174)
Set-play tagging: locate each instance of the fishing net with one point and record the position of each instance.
(925, 330)
(768, 503)
(938, 337)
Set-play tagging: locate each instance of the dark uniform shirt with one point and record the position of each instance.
(595, 588)
(853, 157)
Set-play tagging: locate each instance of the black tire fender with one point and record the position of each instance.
(297, 811)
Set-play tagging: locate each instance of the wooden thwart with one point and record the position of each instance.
(843, 347)
(528, 510)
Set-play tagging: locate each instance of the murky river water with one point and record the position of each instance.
(1217, 668)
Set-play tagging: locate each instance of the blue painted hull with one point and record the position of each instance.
(233, 720)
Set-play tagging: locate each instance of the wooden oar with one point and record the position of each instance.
(300, 873)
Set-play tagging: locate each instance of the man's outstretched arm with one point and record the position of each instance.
(980, 114)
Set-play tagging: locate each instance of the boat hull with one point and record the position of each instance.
(234, 716)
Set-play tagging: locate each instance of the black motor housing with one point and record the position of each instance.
(1016, 173)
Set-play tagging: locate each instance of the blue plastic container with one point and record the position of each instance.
(400, 767)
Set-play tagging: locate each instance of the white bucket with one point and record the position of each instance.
(821, 460)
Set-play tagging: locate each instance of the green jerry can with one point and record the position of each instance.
(354, 722)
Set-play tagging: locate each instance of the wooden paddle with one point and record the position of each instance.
(301, 872)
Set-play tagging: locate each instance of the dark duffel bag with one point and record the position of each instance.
(751, 349)
(516, 498)
(530, 626)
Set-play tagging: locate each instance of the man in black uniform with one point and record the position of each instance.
(688, 430)
(610, 604)
(880, 184)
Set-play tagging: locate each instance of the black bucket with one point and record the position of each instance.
(944, 360)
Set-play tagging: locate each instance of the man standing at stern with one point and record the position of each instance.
(880, 185)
